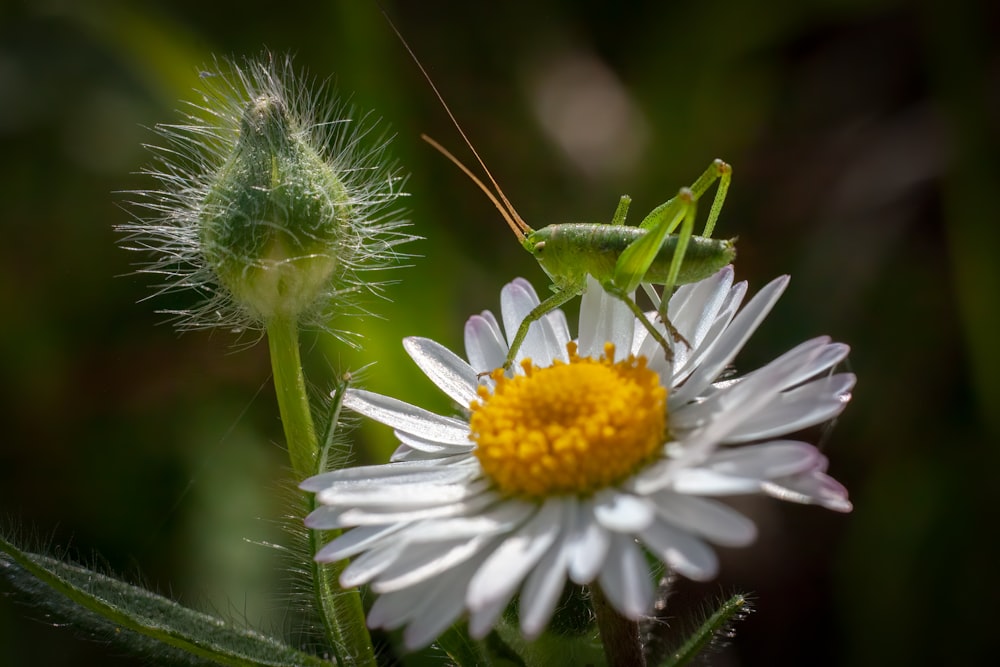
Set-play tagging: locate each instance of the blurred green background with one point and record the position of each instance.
(864, 141)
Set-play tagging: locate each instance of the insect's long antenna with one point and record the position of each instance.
(482, 186)
(510, 214)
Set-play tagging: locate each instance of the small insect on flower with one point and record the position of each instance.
(619, 257)
(273, 199)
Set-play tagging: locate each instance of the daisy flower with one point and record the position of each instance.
(587, 454)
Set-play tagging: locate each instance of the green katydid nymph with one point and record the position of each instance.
(619, 257)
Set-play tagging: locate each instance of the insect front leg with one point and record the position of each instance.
(557, 299)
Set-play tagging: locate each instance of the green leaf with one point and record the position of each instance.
(139, 620)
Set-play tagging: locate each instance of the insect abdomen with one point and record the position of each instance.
(567, 251)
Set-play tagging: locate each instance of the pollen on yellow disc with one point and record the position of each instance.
(570, 428)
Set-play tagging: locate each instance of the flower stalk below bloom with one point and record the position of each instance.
(341, 609)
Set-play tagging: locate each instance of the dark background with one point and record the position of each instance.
(864, 142)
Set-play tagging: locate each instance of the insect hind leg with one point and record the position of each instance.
(688, 199)
(717, 171)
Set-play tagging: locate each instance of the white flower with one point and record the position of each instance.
(570, 467)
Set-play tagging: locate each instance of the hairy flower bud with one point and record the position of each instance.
(268, 207)
(274, 220)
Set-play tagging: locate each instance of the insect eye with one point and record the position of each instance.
(539, 247)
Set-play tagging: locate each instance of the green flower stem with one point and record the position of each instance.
(342, 612)
(338, 609)
(620, 636)
(293, 401)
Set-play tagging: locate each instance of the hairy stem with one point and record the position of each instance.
(730, 610)
(341, 610)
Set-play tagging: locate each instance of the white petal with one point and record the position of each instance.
(517, 300)
(704, 482)
(380, 515)
(441, 469)
(739, 402)
(428, 609)
(625, 582)
(644, 345)
(392, 610)
(810, 404)
(405, 453)
(710, 334)
(401, 496)
(323, 518)
(622, 512)
(686, 554)
(693, 307)
(498, 578)
(475, 520)
(815, 488)
(354, 542)
(765, 461)
(482, 620)
(542, 344)
(604, 319)
(484, 344)
(444, 608)
(557, 318)
(552, 348)
(445, 369)
(426, 446)
(803, 362)
(371, 563)
(709, 519)
(831, 355)
(423, 562)
(733, 339)
(588, 543)
(542, 589)
(739, 471)
(406, 417)
(518, 297)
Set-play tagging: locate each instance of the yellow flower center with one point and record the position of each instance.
(570, 428)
